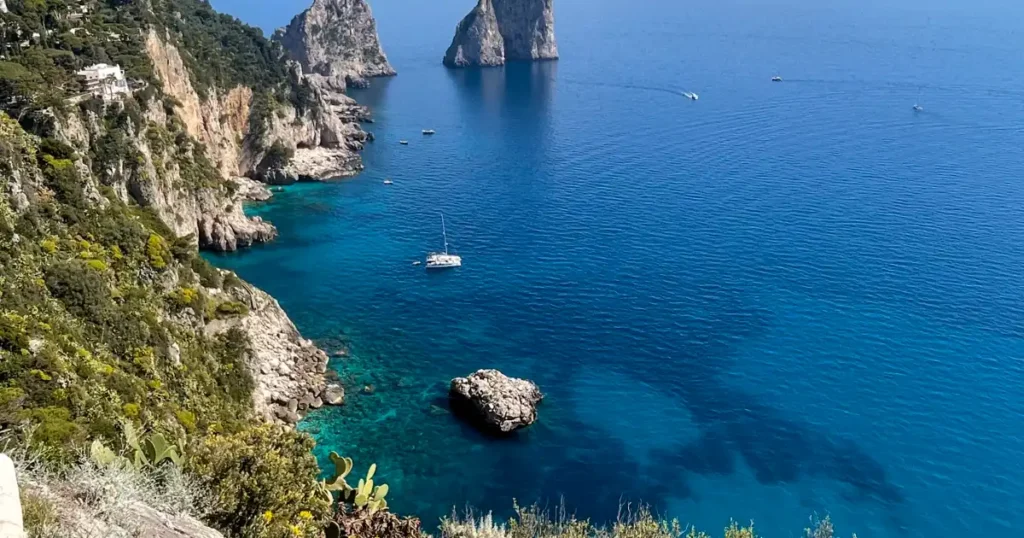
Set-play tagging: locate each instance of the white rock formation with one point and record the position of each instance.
(497, 31)
(336, 40)
(499, 402)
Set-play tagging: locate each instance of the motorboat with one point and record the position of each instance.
(428, 131)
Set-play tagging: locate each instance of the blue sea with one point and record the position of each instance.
(783, 299)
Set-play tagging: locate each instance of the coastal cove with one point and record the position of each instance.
(786, 299)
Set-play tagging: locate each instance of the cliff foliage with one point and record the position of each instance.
(45, 42)
(104, 310)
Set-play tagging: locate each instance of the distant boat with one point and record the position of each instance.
(403, 142)
(428, 131)
(443, 260)
(776, 78)
(691, 96)
(417, 262)
(918, 108)
(388, 182)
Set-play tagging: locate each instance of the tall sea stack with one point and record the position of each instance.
(336, 41)
(497, 31)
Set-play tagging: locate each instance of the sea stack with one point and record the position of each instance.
(497, 31)
(336, 41)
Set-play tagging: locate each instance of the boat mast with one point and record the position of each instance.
(444, 234)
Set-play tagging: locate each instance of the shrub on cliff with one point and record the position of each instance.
(263, 482)
(638, 522)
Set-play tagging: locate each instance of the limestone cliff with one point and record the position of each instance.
(166, 175)
(326, 138)
(336, 42)
(287, 368)
(496, 31)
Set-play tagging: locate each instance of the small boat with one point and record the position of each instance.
(388, 182)
(691, 96)
(443, 260)
(776, 78)
(417, 262)
(918, 108)
(403, 142)
(428, 131)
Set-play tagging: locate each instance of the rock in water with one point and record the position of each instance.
(336, 40)
(499, 402)
(334, 394)
(497, 31)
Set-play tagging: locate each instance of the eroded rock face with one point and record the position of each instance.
(330, 129)
(336, 40)
(496, 401)
(287, 368)
(497, 31)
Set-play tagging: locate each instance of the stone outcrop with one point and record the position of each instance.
(496, 31)
(495, 401)
(222, 121)
(336, 42)
(287, 368)
(11, 524)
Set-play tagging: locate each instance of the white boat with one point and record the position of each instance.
(918, 108)
(776, 78)
(403, 142)
(691, 96)
(443, 260)
(388, 182)
(428, 131)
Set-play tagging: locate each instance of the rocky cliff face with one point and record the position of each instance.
(287, 368)
(497, 31)
(336, 42)
(326, 139)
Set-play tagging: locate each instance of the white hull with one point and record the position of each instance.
(443, 261)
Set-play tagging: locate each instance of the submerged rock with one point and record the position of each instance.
(497, 31)
(497, 401)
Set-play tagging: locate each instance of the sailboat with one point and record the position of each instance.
(443, 260)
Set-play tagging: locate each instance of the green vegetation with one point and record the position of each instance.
(260, 480)
(89, 303)
(634, 522)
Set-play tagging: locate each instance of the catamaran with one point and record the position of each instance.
(443, 260)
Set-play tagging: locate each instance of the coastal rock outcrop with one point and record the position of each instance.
(496, 31)
(237, 145)
(336, 42)
(287, 368)
(496, 401)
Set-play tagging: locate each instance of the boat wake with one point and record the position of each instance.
(672, 91)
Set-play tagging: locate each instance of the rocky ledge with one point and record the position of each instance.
(495, 401)
(287, 368)
(497, 31)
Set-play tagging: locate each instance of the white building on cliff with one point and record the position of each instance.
(104, 81)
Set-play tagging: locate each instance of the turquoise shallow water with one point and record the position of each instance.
(783, 299)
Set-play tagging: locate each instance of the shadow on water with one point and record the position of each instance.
(516, 84)
(735, 426)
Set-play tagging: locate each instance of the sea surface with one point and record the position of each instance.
(783, 299)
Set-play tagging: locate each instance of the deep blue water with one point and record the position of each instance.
(783, 299)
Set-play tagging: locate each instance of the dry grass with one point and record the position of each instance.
(633, 522)
(87, 500)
